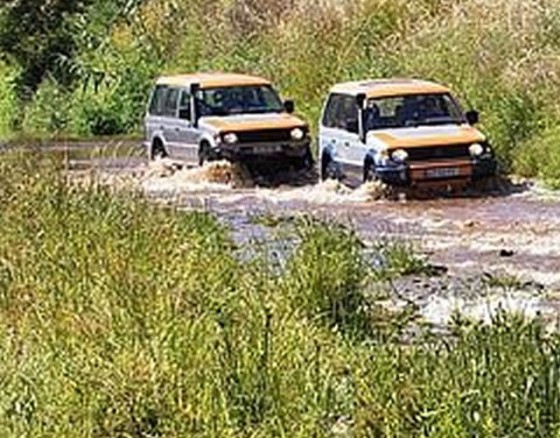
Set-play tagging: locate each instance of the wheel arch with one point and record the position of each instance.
(157, 141)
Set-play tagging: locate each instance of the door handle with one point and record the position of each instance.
(347, 144)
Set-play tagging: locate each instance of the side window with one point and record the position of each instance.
(329, 118)
(185, 105)
(348, 114)
(158, 100)
(171, 101)
(341, 113)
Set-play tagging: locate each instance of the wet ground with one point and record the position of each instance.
(501, 248)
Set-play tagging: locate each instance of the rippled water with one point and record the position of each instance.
(468, 234)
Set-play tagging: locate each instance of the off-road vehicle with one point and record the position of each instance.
(401, 132)
(210, 116)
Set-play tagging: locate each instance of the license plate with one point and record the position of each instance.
(445, 172)
(263, 149)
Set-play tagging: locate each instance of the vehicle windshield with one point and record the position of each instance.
(226, 101)
(412, 111)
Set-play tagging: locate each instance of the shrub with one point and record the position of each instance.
(8, 102)
(541, 156)
(49, 112)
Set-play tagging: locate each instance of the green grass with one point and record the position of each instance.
(8, 111)
(120, 318)
(499, 57)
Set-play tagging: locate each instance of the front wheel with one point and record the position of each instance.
(370, 175)
(329, 169)
(306, 162)
(205, 154)
(158, 151)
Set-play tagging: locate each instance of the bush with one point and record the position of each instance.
(49, 114)
(8, 102)
(541, 156)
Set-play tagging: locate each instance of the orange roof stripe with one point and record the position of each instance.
(390, 87)
(210, 80)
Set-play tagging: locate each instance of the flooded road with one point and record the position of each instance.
(512, 237)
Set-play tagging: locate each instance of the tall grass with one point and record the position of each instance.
(8, 108)
(500, 57)
(119, 318)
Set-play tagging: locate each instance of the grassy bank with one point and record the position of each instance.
(119, 318)
(501, 57)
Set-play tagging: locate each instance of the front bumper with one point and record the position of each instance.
(288, 149)
(447, 171)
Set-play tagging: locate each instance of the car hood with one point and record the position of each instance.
(253, 122)
(423, 136)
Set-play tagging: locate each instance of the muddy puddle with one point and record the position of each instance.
(510, 235)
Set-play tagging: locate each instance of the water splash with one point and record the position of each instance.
(228, 180)
(328, 192)
(166, 176)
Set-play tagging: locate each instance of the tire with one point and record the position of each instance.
(306, 162)
(205, 154)
(329, 169)
(369, 172)
(158, 150)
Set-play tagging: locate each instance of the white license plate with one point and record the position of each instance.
(263, 149)
(445, 172)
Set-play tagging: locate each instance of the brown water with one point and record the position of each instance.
(513, 233)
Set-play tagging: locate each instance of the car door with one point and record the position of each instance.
(340, 135)
(155, 120)
(187, 135)
(330, 143)
(169, 123)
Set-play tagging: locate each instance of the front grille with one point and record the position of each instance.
(438, 152)
(265, 136)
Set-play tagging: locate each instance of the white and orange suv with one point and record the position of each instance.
(209, 116)
(401, 132)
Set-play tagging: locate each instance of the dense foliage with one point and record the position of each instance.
(91, 62)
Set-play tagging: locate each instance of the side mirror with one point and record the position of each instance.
(472, 117)
(289, 106)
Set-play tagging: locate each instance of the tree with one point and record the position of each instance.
(34, 34)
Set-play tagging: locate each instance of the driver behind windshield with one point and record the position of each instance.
(411, 111)
(238, 100)
(429, 108)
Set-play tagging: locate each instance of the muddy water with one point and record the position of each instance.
(512, 236)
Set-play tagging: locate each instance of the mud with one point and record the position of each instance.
(511, 234)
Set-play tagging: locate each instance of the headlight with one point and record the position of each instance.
(231, 138)
(400, 155)
(298, 134)
(476, 150)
